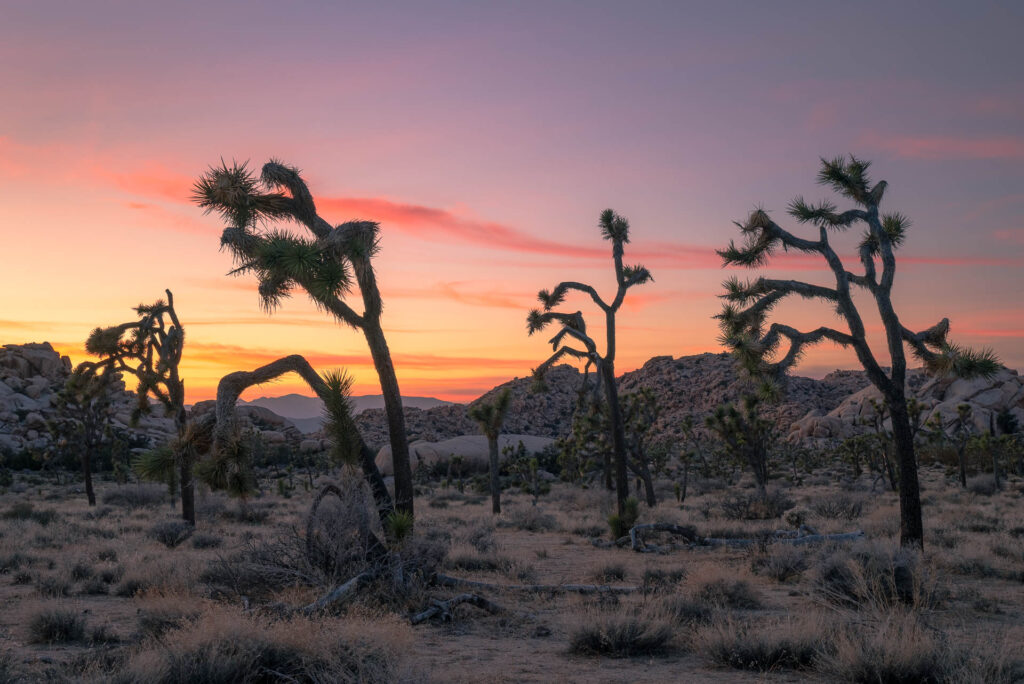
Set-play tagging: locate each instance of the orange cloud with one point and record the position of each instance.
(949, 147)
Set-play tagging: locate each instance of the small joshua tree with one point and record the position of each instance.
(322, 265)
(744, 316)
(82, 418)
(490, 416)
(573, 335)
(746, 434)
(150, 349)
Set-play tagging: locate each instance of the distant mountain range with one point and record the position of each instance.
(307, 412)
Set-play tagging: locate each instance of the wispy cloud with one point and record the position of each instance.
(946, 147)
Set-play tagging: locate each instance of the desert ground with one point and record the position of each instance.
(125, 592)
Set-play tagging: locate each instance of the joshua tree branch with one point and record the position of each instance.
(559, 292)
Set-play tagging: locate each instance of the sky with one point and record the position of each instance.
(486, 138)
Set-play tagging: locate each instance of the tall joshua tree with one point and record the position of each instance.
(322, 264)
(490, 416)
(82, 418)
(150, 349)
(744, 317)
(573, 334)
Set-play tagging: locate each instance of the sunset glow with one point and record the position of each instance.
(486, 141)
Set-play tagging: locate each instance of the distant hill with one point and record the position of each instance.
(307, 412)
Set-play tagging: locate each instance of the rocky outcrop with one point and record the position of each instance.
(30, 377)
(939, 396)
(274, 429)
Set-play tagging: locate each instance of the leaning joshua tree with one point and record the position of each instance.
(744, 316)
(150, 349)
(573, 334)
(319, 264)
(490, 416)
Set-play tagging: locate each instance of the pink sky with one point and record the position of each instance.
(487, 139)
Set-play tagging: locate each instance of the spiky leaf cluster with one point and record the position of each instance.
(490, 415)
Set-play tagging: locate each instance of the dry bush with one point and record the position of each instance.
(25, 511)
(683, 610)
(874, 574)
(170, 533)
(480, 536)
(160, 615)
(897, 647)
(772, 504)
(136, 496)
(206, 540)
(722, 588)
(658, 580)
(224, 647)
(839, 507)
(530, 520)
(781, 562)
(765, 647)
(609, 572)
(621, 635)
(56, 625)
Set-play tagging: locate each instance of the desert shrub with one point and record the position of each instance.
(983, 485)
(109, 555)
(136, 496)
(610, 572)
(94, 587)
(9, 672)
(530, 520)
(132, 586)
(764, 648)
(81, 571)
(23, 510)
(56, 626)
(170, 533)
(22, 577)
(247, 515)
(480, 563)
(727, 592)
(839, 507)
(684, 610)
(781, 562)
(772, 504)
(103, 634)
(618, 635)
(14, 561)
(111, 575)
(205, 540)
(797, 516)
(589, 531)
(481, 537)
(661, 580)
(157, 620)
(227, 648)
(52, 586)
(873, 574)
(620, 525)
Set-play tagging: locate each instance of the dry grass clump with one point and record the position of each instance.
(782, 563)
(684, 610)
(25, 511)
(610, 572)
(56, 625)
(897, 647)
(765, 647)
(621, 635)
(721, 588)
(135, 496)
(876, 575)
(770, 505)
(205, 540)
(839, 507)
(480, 536)
(657, 580)
(225, 647)
(530, 520)
(171, 533)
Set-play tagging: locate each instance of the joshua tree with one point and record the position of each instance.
(82, 418)
(743, 318)
(150, 349)
(333, 389)
(490, 416)
(615, 229)
(746, 434)
(320, 265)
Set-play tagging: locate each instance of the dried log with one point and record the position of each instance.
(443, 609)
(340, 593)
(448, 580)
(636, 533)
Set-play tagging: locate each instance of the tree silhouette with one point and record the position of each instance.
(150, 349)
(490, 416)
(323, 265)
(615, 229)
(744, 316)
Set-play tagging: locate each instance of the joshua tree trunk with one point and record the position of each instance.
(911, 524)
(492, 448)
(90, 493)
(961, 457)
(396, 418)
(618, 436)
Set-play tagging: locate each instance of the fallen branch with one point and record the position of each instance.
(443, 609)
(340, 593)
(636, 541)
(448, 580)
